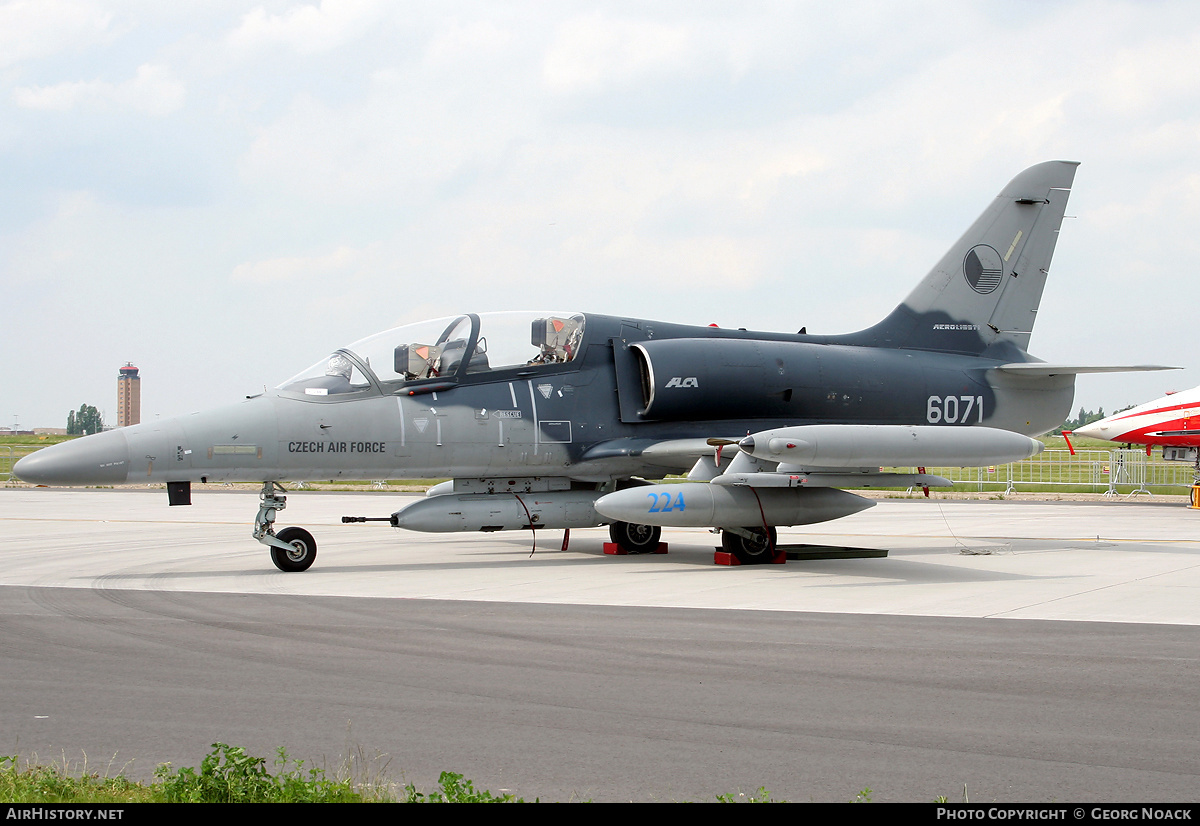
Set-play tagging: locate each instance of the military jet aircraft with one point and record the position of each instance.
(1172, 423)
(557, 419)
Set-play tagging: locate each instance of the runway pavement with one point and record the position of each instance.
(1122, 561)
(130, 627)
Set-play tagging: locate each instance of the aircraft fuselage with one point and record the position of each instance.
(634, 383)
(579, 410)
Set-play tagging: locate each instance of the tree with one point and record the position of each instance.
(1086, 417)
(86, 420)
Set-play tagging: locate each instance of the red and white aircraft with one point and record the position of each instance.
(1170, 422)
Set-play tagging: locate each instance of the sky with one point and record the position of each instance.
(221, 192)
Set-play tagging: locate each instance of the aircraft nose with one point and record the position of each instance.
(99, 459)
(1095, 430)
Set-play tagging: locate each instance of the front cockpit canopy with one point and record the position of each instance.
(446, 348)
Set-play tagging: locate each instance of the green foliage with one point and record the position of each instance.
(38, 440)
(863, 797)
(452, 788)
(1086, 417)
(86, 420)
(226, 775)
(761, 796)
(229, 775)
(57, 784)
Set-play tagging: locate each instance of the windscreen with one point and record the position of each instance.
(446, 348)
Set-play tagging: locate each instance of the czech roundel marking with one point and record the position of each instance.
(983, 268)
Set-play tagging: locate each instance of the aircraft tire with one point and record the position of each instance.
(635, 539)
(302, 555)
(751, 552)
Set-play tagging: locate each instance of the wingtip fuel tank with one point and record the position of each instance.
(842, 446)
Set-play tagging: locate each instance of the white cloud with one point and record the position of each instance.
(153, 90)
(591, 52)
(39, 28)
(297, 268)
(1156, 72)
(309, 29)
(461, 42)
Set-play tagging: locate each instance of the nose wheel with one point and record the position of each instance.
(300, 554)
(292, 549)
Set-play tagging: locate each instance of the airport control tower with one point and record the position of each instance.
(129, 396)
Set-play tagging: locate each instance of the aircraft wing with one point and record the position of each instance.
(668, 451)
(671, 455)
(676, 449)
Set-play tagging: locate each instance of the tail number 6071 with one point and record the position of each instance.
(954, 409)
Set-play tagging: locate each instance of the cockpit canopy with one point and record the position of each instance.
(445, 348)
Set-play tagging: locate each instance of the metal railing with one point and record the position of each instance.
(9, 454)
(1111, 472)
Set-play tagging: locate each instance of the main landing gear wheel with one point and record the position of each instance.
(635, 539)
(756, 551)
(301, 554)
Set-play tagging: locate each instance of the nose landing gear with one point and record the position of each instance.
(293, 549)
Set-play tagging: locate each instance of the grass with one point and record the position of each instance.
(13, 448)
(227, 774)
(35, 783)
(40, 441)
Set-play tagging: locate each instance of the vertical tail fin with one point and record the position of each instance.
(985, 291)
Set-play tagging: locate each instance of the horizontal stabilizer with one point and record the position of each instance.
(1041, 368)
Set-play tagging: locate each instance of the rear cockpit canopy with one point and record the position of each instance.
(447, 349)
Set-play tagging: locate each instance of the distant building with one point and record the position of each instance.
(129, 396)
